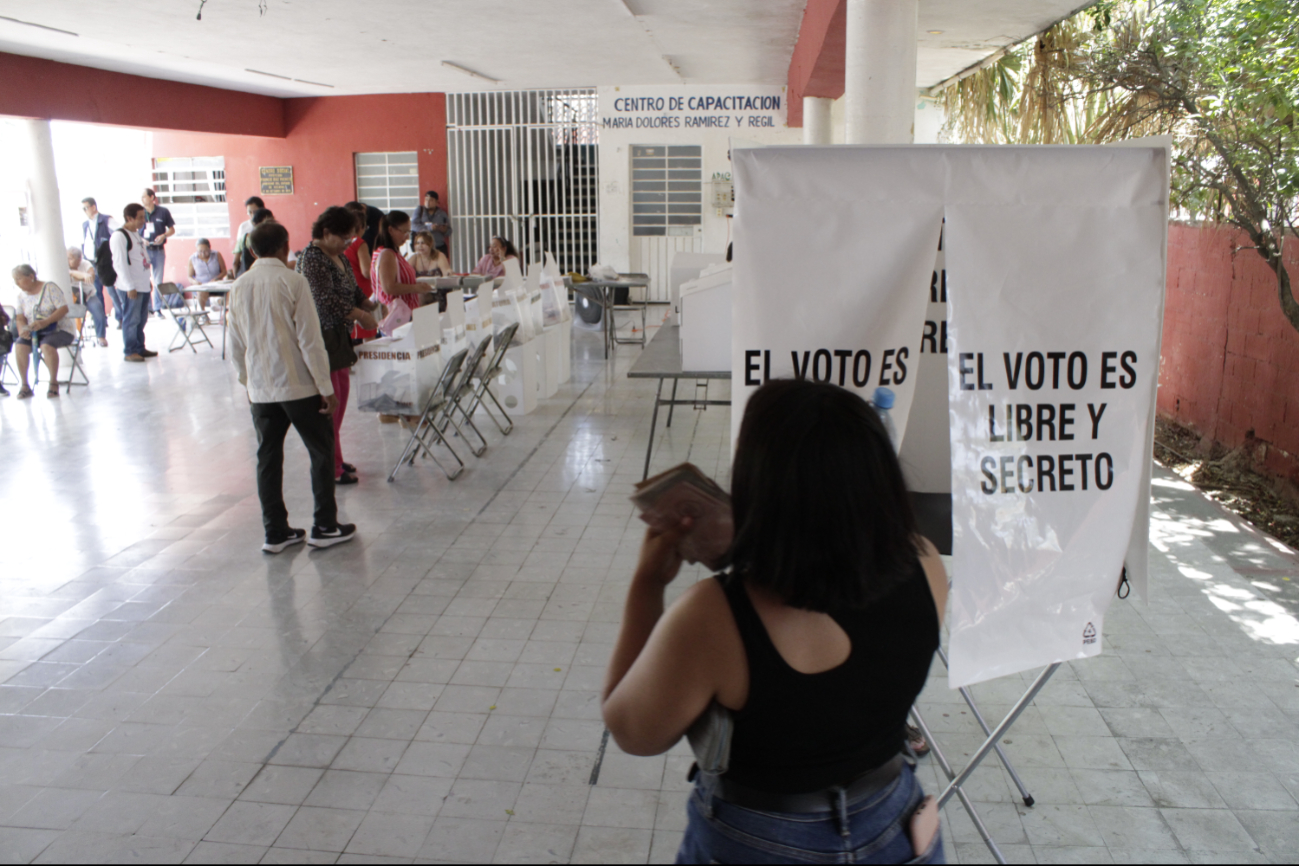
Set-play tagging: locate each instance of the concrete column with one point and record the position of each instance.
(47, 216)
(816, 120)
(880, 71)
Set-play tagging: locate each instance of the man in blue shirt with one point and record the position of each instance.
(158, 226)
(96, 231)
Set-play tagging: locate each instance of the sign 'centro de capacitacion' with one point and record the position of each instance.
(715, 112)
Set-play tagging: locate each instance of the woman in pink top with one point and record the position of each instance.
(392, 277)
(493, 264)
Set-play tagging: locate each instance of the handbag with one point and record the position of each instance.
(710, 739)
(338, 346)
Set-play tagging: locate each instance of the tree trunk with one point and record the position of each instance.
(1289, 306)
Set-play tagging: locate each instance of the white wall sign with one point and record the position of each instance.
(710, 116)
(1054, 263)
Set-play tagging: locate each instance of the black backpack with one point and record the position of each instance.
(104, 260)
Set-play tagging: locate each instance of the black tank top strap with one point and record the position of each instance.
(758, 648)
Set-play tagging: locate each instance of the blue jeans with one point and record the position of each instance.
(873, 830)
(119, 303)
(94, 301)
(133, 319)
(157, 261)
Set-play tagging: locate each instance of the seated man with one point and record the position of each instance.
(42, 317)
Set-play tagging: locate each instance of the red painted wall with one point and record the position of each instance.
(38, 88)
(816, 66)
(1230, 361)
(321, 135)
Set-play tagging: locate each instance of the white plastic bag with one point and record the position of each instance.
(603, 273)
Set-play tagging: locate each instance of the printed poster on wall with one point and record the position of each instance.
(1053, 260)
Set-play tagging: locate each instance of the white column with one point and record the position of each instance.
(47, 216)
(816, 120)
(880, 71)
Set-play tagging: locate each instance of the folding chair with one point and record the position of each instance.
(427, 432)
(187, 318)
(464, 388)
(78, 312)
(483, 388)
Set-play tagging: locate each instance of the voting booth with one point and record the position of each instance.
(1011, 298)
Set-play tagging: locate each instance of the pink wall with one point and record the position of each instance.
(321, 135)
(61, 91)
(1230, 362)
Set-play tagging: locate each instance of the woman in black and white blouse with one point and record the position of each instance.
(339, 303)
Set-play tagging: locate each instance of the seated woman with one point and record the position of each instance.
(205, 267)
(392, 276)
(429, 261)
(492, 264)
(816, 644)
(426, 259)
(42, 316)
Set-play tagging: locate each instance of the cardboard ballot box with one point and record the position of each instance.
(394, 375)
(705, 310)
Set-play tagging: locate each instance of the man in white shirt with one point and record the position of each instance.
(132, 281)
(252, 205)
(279, 351)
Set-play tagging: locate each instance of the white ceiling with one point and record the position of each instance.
(387, 46)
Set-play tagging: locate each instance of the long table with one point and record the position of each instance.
(662, 360)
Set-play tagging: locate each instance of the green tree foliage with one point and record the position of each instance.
(1220, 76)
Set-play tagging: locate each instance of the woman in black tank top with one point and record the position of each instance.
(815, 644)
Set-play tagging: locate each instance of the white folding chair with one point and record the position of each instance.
(188, 319)
(78, 312)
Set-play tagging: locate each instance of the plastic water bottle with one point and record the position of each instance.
(883, 402)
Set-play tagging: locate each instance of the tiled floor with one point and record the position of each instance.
(429, 692)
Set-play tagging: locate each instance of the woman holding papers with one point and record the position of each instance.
(391, 275)
(793, 673)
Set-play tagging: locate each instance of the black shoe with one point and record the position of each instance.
(148, 354)
(346, 478)
(3, 391)
(277, 543)
(348, 467)
(338, 534)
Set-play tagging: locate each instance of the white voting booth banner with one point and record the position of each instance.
(1052, 272)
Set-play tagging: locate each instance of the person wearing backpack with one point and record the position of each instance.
(131, 273)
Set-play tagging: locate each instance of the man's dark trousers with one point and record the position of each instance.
(272, 422)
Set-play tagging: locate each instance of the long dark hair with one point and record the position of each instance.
(383, 240)
(507, 246)
(822, 515)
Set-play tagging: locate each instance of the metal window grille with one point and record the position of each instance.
(194, 190)
(388, 181)
(523, 165)
(666, 189)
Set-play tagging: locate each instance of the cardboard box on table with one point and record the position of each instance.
(705, 311)
(395, 375)
(516, 384)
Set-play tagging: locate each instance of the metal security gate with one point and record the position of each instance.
(523, 165)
